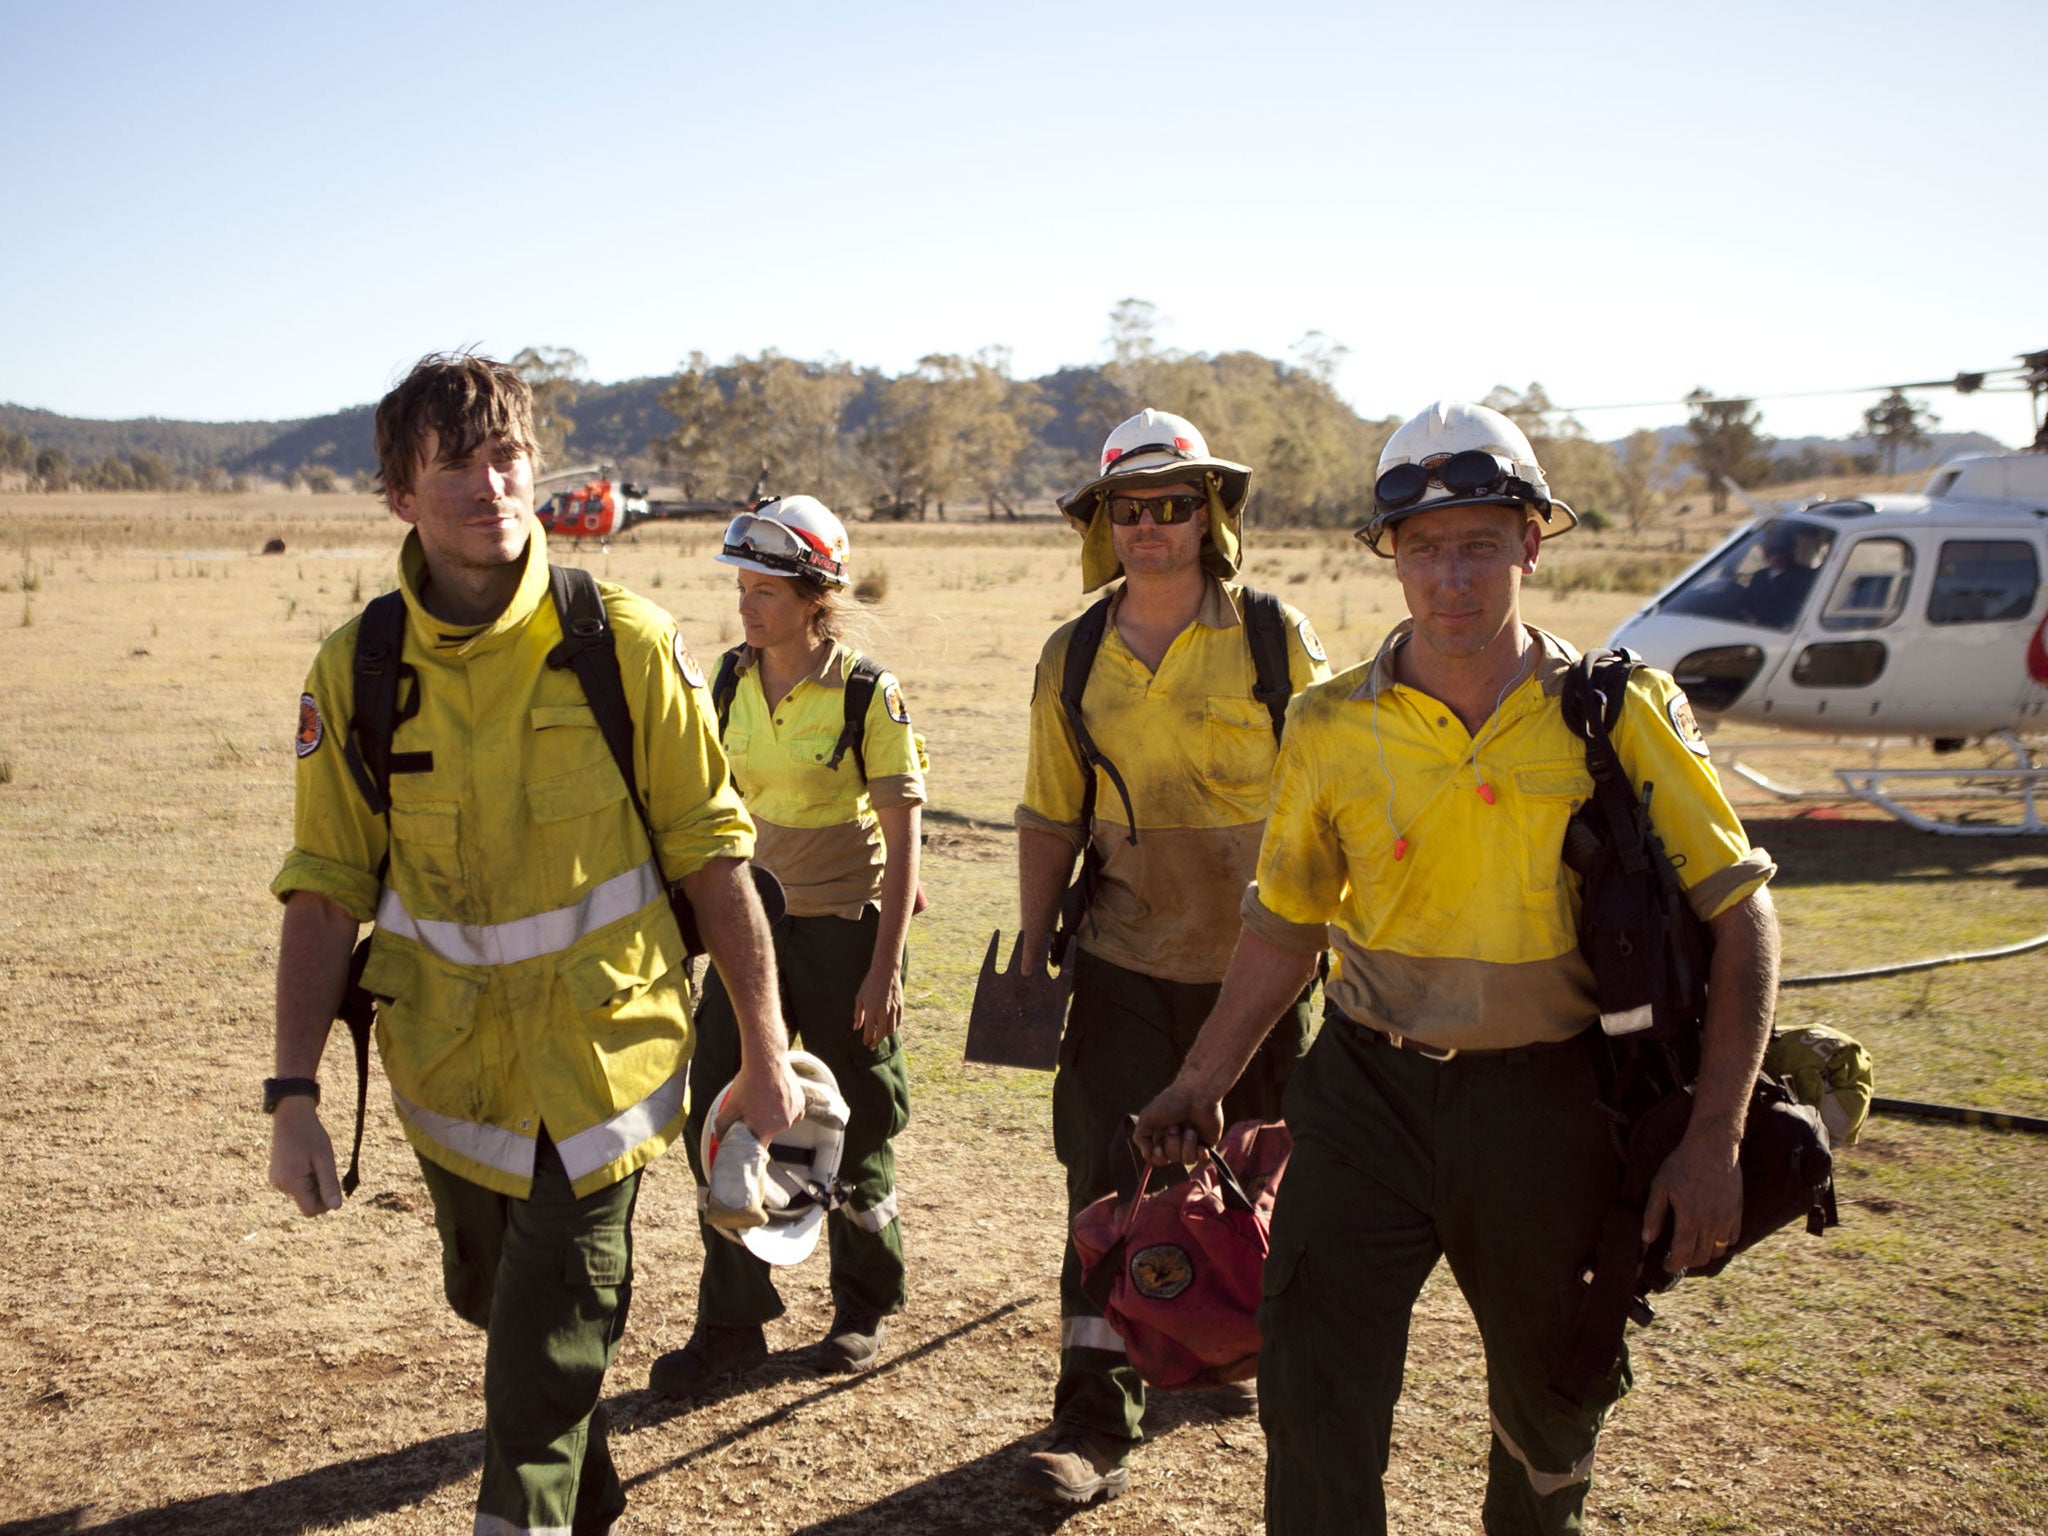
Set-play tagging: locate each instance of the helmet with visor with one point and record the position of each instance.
(790, 536)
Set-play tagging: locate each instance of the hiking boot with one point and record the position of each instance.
(1076, 1469)
(853, 1345)
(715, 1354)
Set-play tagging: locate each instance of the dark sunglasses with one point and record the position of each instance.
(1124, 511)
(1473, 472)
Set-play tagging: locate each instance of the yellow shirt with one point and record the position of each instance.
(525, 951)
(1196, 750)
(1470, 938)
(816, 828)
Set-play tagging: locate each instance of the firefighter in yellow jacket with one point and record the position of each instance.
(1172, 696)
(1451, 1106)
(837, 816)
(533, 1011)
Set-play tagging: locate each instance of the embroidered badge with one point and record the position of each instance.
(1162, 1271)
(687, 664)
(1309, 642)
(1688, 728)
(312, 730)
(892, 699)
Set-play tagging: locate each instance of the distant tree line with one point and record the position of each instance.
(960, 432)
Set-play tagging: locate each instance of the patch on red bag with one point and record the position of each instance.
(1162, 1271)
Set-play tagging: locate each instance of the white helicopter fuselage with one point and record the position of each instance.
(1879, 616)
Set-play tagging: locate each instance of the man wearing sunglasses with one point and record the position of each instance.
(1451, 1105)
(533, 1004)
(1170, 704)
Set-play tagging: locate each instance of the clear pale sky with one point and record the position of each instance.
(221, 211)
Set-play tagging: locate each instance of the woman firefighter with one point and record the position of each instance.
(822, 750)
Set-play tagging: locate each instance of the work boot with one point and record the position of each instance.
(1076, 1469)
(853, 1345)
(716, 1353)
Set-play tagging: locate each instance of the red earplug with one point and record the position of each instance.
(1486, 791)
(1400, 848)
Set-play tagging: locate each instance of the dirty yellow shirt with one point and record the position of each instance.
(1470, 939)
(527, 963)
(815, 826)
(1196, 750)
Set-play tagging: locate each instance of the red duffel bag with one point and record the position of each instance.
(1176, 1271)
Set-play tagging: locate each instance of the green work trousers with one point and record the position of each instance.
(549, 1280)
(821, 962)
(1126, 1036)
(1502, 1165)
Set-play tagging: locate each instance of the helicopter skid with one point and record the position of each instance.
(2023, 781)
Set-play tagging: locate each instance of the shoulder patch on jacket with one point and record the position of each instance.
(1309, 642)
(312, 729)
(687, 664)
(1688, 728)
(892, 700)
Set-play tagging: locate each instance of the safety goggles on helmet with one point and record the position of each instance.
(750, 536)
(1470, 473)
(1125, 511)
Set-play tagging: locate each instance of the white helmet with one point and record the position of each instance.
(772, 1199)
(1457, 455)
(790, 536)
(1159, 448)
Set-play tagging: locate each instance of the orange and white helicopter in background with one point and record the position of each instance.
(1878, 616)
(595, 502)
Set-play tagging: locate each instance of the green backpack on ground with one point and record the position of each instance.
(1825, 1068)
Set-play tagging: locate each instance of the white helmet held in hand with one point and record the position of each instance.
(790, 536)
(772, 1198)
(1456, 454)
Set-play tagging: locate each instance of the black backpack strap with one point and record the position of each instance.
(589, 648)
(1082, 645)
(379, 672)
(862, 678)
(374, 718)
(1265, 627)
(725, 686)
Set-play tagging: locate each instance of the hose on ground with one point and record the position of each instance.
(1915, 1109)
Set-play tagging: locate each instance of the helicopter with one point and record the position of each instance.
(1917, 616)
(596, 503)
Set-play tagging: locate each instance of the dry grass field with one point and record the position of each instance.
(179, 1352)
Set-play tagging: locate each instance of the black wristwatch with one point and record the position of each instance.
(276, 1089)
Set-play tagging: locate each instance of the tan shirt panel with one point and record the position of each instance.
(1196, 750)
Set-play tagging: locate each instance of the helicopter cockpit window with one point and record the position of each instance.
(1871, 590)
(1982, 581)
(1764, 580)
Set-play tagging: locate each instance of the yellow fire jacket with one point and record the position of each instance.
(525, 956)
(1196, 750)
(815, 826)
(1470, 937)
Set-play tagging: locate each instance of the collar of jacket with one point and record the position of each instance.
(1216, 611)
(1554, 658)
(830, 672)
(531, 593)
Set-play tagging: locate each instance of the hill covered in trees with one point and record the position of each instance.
(960, 432)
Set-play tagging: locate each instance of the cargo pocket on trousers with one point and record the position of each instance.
(1287, 1345)
(600, 1259)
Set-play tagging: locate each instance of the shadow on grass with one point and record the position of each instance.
(395, 1480)
(325, 1496)
(1842, 850)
